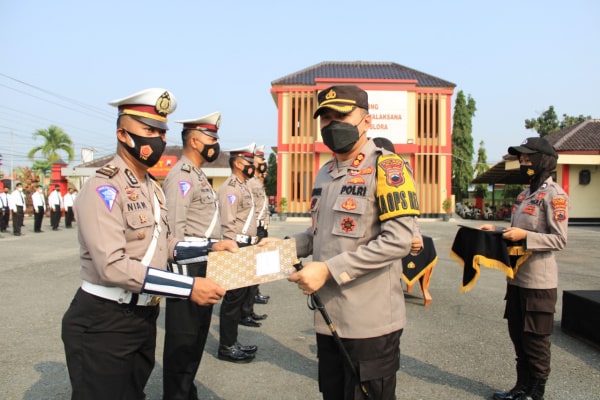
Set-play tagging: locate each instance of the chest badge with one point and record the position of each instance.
(348, 224)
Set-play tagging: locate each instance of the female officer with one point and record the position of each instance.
(539, 220)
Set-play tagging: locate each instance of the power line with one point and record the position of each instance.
(88, 107)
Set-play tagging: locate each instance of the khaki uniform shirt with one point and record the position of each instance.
(260, 201)
(236, 206)
(365, 298)
(543, 214)
(192, 202)
(115, 217)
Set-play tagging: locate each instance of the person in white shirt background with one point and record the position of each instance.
(17, 205)
(56, 206)
(39, 208)
(68, 201)
(4, 209)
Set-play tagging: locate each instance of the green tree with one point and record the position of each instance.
(481, 167)
(545, 124)
(570, 120)
(462, 144)
(55, 140)
(271, 181)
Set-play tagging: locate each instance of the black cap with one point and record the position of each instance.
(533, 145)
(342, 99)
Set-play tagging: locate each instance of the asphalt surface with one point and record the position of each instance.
(457, 348)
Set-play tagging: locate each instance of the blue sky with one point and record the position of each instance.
(63, 61)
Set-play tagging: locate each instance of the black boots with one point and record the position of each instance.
(520, 387)
(512, 394)
(535, 391)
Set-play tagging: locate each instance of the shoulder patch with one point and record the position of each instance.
(396, 191)
(108, 170)
(231, 198)
(184, 187)
(108, 194)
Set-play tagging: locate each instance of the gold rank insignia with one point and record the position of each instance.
(143, 218)
(358, 160)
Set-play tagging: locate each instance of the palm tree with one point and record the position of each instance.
(56, 139)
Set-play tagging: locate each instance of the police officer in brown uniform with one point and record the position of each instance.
(363, 207)
(257, 187)
(109, 330)
(194, 215)
(539, 220)
(238, 222)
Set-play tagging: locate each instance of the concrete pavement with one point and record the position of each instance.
(458, 348)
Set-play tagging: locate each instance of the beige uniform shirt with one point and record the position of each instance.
(365, 298)
(543, 214)
(192, 202)
(260, 201)
(236, 207)
(115, 217)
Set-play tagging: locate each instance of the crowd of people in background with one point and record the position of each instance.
(14, 206)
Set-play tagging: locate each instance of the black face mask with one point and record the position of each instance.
(146, 150)
(210, 152)
(528, 171)
(248, 171)
(262, 167)
(339, 136)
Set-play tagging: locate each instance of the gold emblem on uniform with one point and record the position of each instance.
(143, 218)
(331, 94)
(411, 265)
(141, 235)
(211, 152)
(163, 104)
(133, 197)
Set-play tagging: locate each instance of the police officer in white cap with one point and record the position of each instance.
(194, 214)
(238, 222)
(109, 330)
(257, 187)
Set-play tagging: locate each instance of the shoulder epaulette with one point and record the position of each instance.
(108, 170)
(186, 168)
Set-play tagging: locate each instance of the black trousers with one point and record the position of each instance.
(376, 361)
(37, 219)
(530, 315)
(229, 317)
(4, 219)
(55, 217)
(186, 329)
(18, 219)
(109, 348)
(248, 304)
(69, 217)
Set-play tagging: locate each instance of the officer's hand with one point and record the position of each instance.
(487, 227)
(227, 244)
(514, 234)
(206, 292)
(267, 240)
(311, 277)
(416, 245)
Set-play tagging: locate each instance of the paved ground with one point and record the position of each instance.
(458, 348)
